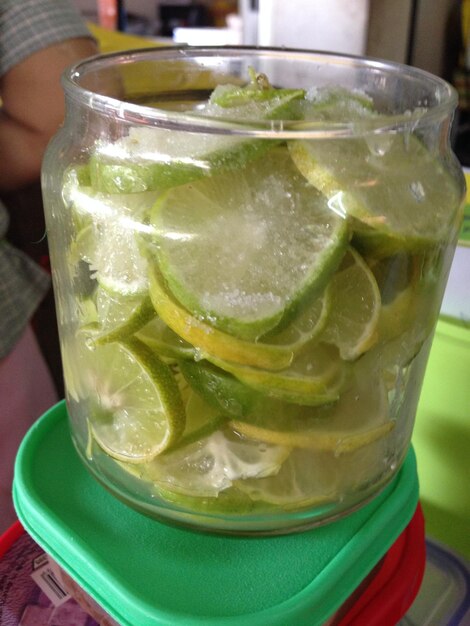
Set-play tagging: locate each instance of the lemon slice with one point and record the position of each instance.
(315, 377)
(209, 340)
(134, 403)
(272, 239)
(399, 192)
(359, 417)
(355, 307)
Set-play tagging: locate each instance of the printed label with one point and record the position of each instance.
(47, 581)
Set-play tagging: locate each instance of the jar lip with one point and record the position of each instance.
(281, 129)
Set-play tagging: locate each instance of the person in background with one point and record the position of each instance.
(38, 40)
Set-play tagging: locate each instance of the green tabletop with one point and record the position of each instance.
(441, 438)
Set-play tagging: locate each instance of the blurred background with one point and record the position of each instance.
(429, 34)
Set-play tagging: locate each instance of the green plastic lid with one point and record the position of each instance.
(146, 573)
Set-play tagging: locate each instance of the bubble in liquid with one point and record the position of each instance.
(205, 465)
(417, 190)
(379, 145)
(198, 355)
(90, 343)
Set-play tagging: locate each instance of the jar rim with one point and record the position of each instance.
(137, 114)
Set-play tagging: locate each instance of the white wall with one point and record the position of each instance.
(332, 25)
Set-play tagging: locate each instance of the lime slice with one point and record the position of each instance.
(165, 342)
(255, 101)
(305, 327)
(399, 193)
(135, 406)
(74, 356)
(76, 177)
(396, 317)
(118, 264)
(202, 420)
(398, 277)
(304, 480)
(208, 340)
(118, 317)
(156, 159)
(272, 240)
(312, 479)
(209, 466)
(220, 389)
(358, 418)
(355, 307)
(335, 104)
(110, 240)
(315, 377)
(231, 501)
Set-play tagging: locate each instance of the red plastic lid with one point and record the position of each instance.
(9, 537)
(395, 585)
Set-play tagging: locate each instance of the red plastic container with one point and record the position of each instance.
(382, 599)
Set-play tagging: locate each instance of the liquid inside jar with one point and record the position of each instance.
(246, 321)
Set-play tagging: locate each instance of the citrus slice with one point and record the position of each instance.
(220, 390)
(75, 357)
(305, 327)
(254, 101)
(134, 403)
(209, 340)
(110, 240)
(156, 159)
(399, 192)
(355, 307)
(202, 420)
(359, 417)
(117, 317)
(314, 478)
(76, 177)
(396, 317)
(164, 341)
(209, 466)
(230, 502)
(335, 104)
(272, 239)
(408, 294)
(315, 377)
(304, 480)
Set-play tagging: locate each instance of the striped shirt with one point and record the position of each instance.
(26, 26)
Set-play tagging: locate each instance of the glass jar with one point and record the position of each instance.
(249, 252)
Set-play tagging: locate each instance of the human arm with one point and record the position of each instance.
(33, 108)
